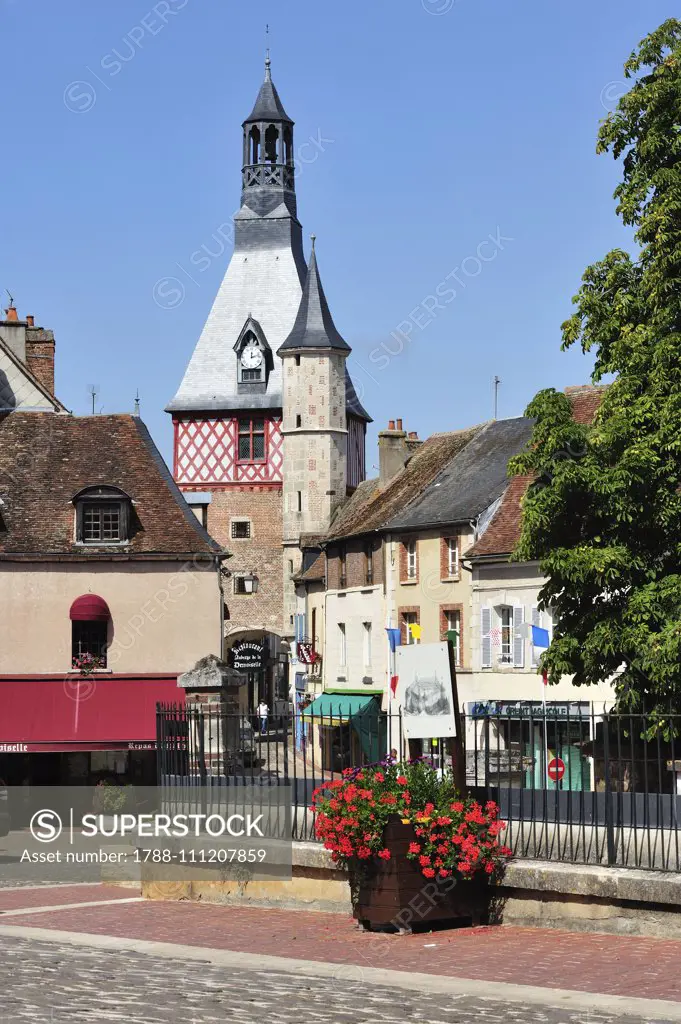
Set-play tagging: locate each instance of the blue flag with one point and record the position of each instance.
(394, 638)
(540, 637)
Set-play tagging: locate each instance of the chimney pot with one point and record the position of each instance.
(11, 313)
(413, 434)
(30, 319)
(399, 424)
(391, 424)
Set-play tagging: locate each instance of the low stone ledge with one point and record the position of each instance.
(595, 881)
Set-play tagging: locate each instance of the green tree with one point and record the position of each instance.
(604, 515)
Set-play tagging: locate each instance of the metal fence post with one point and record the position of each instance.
(609, 826)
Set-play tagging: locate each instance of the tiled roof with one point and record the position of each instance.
(370, 508)
(317, 570)
(45, 460)
(469, 484)
(501, 536)
(503, 532)
(585, 400)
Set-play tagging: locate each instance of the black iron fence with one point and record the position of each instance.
(573, 784)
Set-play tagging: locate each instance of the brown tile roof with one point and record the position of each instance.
(316, 572)
(370, 508)
(585, 400)
(503, 532)
(46, 459)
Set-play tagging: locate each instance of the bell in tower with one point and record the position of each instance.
(269, 169)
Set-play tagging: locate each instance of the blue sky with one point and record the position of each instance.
(431, 127)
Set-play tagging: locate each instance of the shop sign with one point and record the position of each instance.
(532, 709)
(249, 655)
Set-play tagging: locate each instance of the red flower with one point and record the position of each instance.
(429, 872)
(424, 861)
(364, 852)
(444, 873)
(384, 854)
(489, 867)
(457, 806)
(414, 848)
(401, 780)
(379, 776)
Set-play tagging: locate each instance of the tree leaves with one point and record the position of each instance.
(604, 514)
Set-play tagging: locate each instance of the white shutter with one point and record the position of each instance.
(485, 638)
(536, 621)
(518, 637)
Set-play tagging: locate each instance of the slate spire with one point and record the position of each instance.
(314, 327)
(268, 107)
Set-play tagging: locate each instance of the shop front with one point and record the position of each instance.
(75, 730)
(351, 728)
(533, 744)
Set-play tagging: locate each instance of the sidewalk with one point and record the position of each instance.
(609, 965)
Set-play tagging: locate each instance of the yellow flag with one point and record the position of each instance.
(415, 630)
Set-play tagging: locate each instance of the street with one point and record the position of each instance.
(51, 983)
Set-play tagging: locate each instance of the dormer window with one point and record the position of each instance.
(253, 357)
(102, 516)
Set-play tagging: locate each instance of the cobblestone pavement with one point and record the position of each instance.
(51, 983)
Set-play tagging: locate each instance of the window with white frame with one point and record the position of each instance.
(409, 619)
(342, 645)
(367, 638)
(452, 557)
(506, 637)
(410, 551)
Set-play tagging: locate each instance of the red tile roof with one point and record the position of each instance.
(503, 532)
(46, 459)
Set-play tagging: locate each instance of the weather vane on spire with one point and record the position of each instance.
(268, 62)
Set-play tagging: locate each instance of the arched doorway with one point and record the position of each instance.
(263, 657)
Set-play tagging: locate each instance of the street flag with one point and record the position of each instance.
(540, 637)
(415, 630)
(393, 684)
(394, 638)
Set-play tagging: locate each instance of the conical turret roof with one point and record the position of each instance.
(314, 326)
(268, 106)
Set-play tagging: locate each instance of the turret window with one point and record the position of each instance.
(252, 440)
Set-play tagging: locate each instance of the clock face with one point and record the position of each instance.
(251, 357)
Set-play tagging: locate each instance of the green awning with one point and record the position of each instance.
(339, 708)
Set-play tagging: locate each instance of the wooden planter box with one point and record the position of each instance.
(395, 894)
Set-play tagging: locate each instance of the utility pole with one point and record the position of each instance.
(496, 382)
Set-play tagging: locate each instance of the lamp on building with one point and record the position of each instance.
(250, 584)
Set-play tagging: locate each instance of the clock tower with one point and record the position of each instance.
(230, 458)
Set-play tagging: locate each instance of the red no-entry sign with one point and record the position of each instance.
(556, 769)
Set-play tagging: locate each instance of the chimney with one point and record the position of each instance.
(392, 452)
(40, 354)
(30, 320)
(13, 332)
(11, 314)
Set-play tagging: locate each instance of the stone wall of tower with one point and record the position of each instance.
(315, 453)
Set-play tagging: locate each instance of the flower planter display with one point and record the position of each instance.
(394, 893)
(416, 851)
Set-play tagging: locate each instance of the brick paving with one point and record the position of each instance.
(59, 895)
(616, 965)
(52, 983)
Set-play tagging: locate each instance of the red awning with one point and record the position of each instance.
(90, 608)
(82, 713)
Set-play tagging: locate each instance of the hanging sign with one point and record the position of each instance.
(248, 655)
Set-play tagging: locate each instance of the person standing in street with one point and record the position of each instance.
(262, 712)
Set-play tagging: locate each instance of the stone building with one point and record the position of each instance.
(269, 432)
(109, 587)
